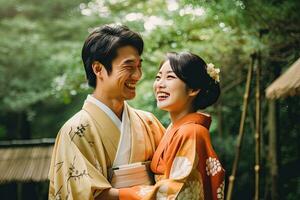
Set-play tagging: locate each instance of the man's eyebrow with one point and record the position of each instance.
(131, 61)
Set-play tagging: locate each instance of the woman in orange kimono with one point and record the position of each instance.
(185, 164)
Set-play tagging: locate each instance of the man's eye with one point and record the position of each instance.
(129, 67)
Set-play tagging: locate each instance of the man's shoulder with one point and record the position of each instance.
(148, 117)
(81, 118)
(144, 114)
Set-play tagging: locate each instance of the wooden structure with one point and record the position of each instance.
(288, 84)
(25, 160)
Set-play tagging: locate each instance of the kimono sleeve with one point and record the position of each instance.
(212, 172)
(156, 129)
(72, 176)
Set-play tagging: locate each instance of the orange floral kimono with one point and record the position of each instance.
(185, 164)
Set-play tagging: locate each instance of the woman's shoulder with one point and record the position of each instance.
(192, 130)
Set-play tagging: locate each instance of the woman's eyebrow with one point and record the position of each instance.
(168, 72)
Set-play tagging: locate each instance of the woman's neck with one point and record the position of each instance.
(176, 115)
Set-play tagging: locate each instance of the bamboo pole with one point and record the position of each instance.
(241, 130)
(257, 128)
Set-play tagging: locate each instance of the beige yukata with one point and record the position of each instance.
(86, 147)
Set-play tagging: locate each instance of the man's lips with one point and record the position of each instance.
(161, 96)
(130, 85)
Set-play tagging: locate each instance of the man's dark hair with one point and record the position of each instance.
(102, 45)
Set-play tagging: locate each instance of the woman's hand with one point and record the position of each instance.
(109, 194)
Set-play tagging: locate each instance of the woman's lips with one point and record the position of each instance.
(161, 96)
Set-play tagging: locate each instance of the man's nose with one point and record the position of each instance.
(137, 74)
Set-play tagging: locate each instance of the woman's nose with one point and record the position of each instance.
(161, 83)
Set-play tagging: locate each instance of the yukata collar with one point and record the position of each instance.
(192, 118)
(196, 118)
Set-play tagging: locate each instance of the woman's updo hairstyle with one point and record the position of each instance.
(191, 69)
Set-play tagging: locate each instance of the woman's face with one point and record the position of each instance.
(171, 93)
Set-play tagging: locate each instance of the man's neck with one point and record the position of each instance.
(115, 105)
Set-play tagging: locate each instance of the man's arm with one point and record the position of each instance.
(72, 174)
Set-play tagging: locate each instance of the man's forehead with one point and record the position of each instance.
(128, 59)
(128, 54)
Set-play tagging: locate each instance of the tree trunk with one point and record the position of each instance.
(274, 146)
(272, 122)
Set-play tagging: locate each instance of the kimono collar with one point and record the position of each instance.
(196, 118)
(192, 118)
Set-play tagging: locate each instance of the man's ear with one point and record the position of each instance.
(97, 68)
(193, 92)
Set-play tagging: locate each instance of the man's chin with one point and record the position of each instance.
(130, 96)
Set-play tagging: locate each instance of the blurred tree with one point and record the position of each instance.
(36, 46)
(41, 69)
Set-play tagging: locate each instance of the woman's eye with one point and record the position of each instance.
(170, 77)
(157, 78)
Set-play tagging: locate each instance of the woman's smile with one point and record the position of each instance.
(161, 95)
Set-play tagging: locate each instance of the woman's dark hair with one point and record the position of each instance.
(191, 69)
(102, 45)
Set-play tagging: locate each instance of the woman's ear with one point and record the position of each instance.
(193, 92)
(97, 68)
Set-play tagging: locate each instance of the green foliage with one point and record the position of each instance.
(2, 132)
(41, 71)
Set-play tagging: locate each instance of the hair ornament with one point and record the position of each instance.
(213, 72)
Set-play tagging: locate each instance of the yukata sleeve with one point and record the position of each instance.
(72, 176)
(181, 177)
(158, 129)
(154, 127)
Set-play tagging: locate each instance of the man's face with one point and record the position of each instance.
(126, 71)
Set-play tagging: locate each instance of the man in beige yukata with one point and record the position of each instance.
(106, 132)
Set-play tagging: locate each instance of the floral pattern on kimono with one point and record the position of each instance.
(185, 164)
